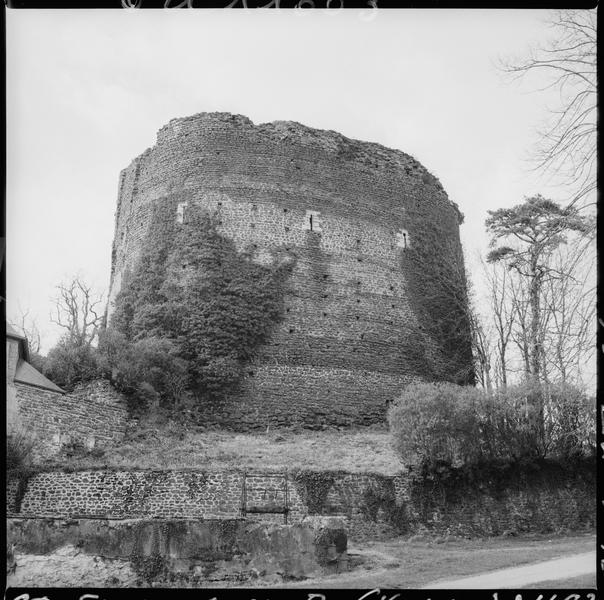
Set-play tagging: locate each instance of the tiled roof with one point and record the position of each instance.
(27, 374)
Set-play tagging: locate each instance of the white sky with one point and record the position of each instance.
(88, 90)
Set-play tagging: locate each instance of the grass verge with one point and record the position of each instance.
(171, 447)
(414, 563)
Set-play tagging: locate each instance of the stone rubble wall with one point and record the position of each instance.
(132, 494)
(94, 415)
(545, 499)
(283, 396)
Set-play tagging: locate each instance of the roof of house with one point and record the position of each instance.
(12, 332)
(26, 373)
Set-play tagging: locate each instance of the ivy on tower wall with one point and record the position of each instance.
(194, 289)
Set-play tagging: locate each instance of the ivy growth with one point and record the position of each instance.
(209, 304)
(381, 496)
(433, 266)
(313, 487)
(149, 567)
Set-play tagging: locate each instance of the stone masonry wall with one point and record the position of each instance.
(351, 335)
(93, 415)
(545, 498)
(282, 396)
(132, 494)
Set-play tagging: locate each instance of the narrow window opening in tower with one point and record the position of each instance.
(402, 239)
(312, 221)
(181, 212)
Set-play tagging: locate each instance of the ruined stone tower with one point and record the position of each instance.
(374, 235)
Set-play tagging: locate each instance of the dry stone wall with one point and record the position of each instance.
(542, 498)
(352, 334)
(94, 415)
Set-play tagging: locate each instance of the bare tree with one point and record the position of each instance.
(79, 310)
(521, 323)
(569, 299)
(481, 349)
(29, 327)
(568, 142)
(502, 318)
(565, 325)
(536, 228)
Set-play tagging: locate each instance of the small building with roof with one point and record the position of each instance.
(92, 415)
(20, 372)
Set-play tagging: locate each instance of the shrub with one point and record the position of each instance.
(19, 454)
(37, 361)
(570, 421)
(512, 421)
(507, 423)
(67, 364)
(147, 369)
(435, 423)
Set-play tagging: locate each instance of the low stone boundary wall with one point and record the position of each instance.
(508, 499)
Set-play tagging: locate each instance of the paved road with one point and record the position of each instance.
(559, 568)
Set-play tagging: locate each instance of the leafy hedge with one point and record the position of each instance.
(436, 424)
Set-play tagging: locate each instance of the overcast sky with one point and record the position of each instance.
(88, 90)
